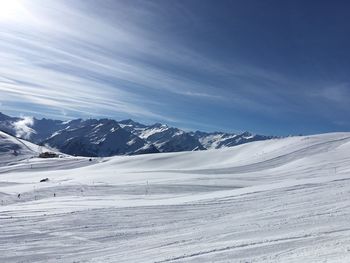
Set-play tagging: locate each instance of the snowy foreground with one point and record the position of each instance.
(284, 200)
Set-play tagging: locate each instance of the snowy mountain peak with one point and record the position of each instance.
(130, 122)
(106, 137)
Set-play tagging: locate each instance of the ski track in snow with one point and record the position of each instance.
(285, 200)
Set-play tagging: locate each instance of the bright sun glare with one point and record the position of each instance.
(10, 9)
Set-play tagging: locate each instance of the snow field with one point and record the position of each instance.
(283, 200)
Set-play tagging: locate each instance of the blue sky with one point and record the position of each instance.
(272, 67)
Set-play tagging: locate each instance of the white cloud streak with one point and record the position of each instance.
(65, 57)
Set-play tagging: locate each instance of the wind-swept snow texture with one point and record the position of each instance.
(281, 200)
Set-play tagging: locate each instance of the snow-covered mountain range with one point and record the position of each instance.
(106, 137)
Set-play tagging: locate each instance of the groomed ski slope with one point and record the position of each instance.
(285, 200)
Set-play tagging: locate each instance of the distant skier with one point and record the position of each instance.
(54, 194)
(19, 196)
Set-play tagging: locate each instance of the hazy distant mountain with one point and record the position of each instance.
(7, 124)
(107, 137)
(217, 140)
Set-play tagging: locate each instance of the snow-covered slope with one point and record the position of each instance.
(284, 200)
(13, 149)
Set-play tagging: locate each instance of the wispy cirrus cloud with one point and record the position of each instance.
(65, 65)
(113, 58)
